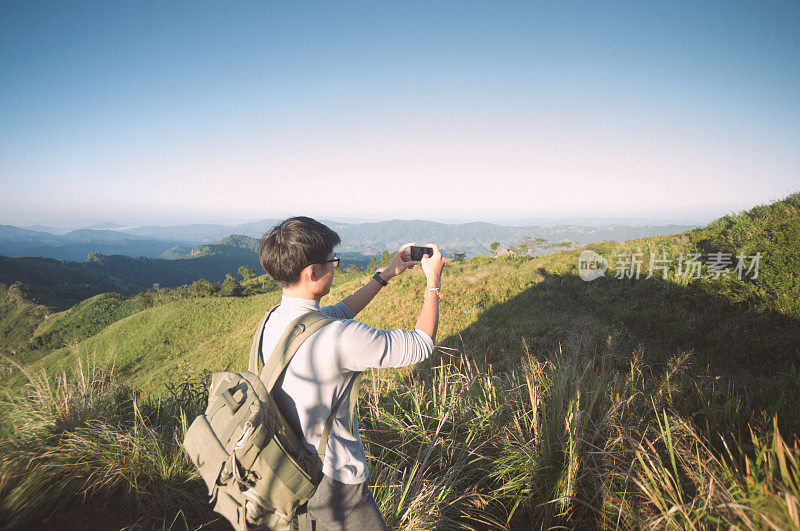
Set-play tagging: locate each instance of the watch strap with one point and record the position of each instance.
(377, 277)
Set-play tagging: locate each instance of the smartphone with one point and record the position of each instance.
(418, 252)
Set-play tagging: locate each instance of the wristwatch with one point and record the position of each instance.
(377, 277)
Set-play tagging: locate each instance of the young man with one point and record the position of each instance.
(298, 254)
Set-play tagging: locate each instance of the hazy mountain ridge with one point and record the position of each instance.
(235, 243)
(77, 244)
(476, 237)
(193, 234)
(62, 283)
(364, 239)
(245, 250)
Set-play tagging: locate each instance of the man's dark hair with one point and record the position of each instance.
(292, 245)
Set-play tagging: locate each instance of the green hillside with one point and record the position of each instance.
(31, 330)
(148, 346)
(59, 284)
(21, 316)
(85, 319)
(668, 401)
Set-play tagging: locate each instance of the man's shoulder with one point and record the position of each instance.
(340, 310)
(349, 328)
(342, 323)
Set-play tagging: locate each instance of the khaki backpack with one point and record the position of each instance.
(258, 472)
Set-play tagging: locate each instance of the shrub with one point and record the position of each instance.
(230, 287)
(247, 272)
(203, 288)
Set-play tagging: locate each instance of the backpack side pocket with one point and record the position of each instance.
(205, 451)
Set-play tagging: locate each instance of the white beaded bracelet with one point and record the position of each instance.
(434, 290)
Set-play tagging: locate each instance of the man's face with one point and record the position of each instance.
(327, 272)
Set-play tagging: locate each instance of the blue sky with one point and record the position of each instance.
(171, 112)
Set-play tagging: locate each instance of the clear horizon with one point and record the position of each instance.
(179, 113)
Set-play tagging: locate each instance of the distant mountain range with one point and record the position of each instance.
(475, 238)
(364, 239)
(61, 283)
(77, 244)
(60, 269)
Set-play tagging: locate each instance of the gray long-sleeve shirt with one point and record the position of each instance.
(322, 371)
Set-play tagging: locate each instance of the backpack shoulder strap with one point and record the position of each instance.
(296, 333)
(354, 398)
(255, 348)
(326, 431)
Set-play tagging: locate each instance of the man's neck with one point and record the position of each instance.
(301, 292)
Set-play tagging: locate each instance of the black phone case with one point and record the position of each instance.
(418, 252)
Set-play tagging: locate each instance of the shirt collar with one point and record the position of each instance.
(298, 303)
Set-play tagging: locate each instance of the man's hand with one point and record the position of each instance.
(400, 262)
(432, 265)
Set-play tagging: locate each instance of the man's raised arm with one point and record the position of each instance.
(361, 297)
(428, 320)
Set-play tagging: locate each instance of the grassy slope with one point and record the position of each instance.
(490, 305)
(31, 332)
(743, 338)
(215, 333)
(20, 318)
(207, 333)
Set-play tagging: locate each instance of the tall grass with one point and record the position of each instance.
(83, 438)
(560, 440)
(430, 442)
(563, 442)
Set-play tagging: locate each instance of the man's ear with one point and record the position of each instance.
(313, 274)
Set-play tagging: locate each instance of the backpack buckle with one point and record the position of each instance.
(232, 403)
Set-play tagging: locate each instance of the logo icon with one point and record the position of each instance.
(591, 265)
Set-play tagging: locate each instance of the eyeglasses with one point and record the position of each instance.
(335, 261)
